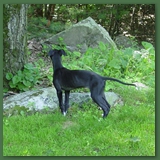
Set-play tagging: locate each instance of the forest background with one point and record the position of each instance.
(40, 21)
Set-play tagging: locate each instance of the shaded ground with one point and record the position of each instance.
(36, 54)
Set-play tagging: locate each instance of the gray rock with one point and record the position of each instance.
(141, 86)
(80, 98)
(37, 99)
(46, 98)
(125, 42)
(86, 33)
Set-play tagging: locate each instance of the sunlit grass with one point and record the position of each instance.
(128, 130)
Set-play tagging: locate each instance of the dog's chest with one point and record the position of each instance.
(66, 88)
(67, 84)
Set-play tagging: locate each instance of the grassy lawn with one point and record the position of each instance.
(128, 130)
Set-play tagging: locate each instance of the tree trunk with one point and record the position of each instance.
(50, 14)
(14, 38)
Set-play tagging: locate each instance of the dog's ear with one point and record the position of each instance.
(51, 52)
(62, 52)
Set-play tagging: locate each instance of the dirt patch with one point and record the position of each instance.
(68, 124)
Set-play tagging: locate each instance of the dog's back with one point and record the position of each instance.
(71, 79)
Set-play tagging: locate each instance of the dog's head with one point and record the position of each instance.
(60, 52)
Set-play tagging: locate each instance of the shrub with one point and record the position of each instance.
(129, 64)
(24, 79)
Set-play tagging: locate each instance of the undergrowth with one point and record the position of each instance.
(128, 65)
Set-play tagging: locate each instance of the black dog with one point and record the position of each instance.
(65, 79)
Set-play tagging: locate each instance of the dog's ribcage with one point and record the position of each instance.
(71, 79)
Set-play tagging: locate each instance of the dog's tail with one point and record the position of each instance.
(114, 79)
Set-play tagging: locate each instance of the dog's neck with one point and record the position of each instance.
(56, 61)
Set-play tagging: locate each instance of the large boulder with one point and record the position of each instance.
(46, 98)
(86, 33)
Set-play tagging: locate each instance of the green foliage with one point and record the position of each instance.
(128, 64)
(142, 64)
(49, 75)
(24, 79)
(37, 27)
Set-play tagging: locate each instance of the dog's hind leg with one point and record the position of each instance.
(107, 104)
(102, 102)
(97, 94)
(66, 104)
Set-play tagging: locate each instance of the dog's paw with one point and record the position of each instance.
(64, 113)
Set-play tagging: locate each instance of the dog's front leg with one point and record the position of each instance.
(60, 99)
(66, 101)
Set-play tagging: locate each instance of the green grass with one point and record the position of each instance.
(128, 130)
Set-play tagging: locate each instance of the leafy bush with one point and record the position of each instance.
(24, 79)
(129, 64)
(142, 65)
